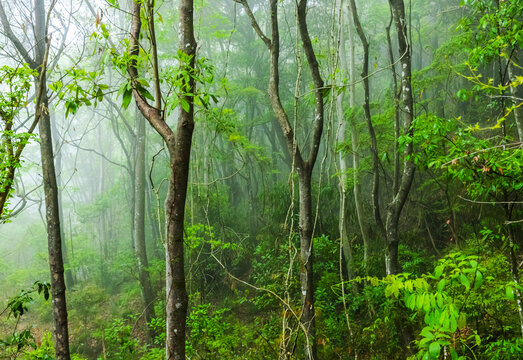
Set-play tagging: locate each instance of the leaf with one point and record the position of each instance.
(453, 323)
(419, 301)
(509, 293)
(479, 280)
(453, 354)
(434, 350)
(426, 302)
(439, 300)
(144, 92)
(464, 280)
(462, 320)
(438, 271)
(411, 301)
(185, 104)
(126, 99)
(441, 285)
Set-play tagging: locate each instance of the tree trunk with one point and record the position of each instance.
(302, 167)
(307, 261)
(140, 250)
(69, 280)
(358, 197)
(368, 119)
(56, 265)
(179, 147)
(407, 107)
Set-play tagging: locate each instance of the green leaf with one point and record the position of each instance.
(479, 280)
(509, 293)
(438, 271)
(411, 301)
(144, 92)
(441, 285)
(453, 323)
(185, 104)
(426, 302)
(462, 320)
(464, 280)
(434, 350)
(419, 301)
(126, 99)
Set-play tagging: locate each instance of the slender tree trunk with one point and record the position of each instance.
(358, 197)
(69, 280)
(179, 147)
(303, 167)
(396, 205)
(368, 118)
(139, 225)
(56, 265)
(344, 166)
(60, 332)
(307, 261)
(177, 299)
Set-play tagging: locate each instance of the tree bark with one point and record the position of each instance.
(140, 250)
(368, 119)
(179, 147)
(69, 279)
(60, 329)
(303, 167)
(395, 207)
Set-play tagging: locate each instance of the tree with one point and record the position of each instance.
(179, 147)
(302, 165)
(41, 25)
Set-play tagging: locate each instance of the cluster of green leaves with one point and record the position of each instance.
(83, 88)
(17, 307)
(488, 167)
(15, 84)
(121, 342)
(497, 27)
(178, 79)
(444, 300)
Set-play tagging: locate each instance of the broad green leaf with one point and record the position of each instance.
(185, 104)
(441, 285)
(126, 99)
(479, 280)
(434, 350)
(509, 292)
(464, 280)
(438, 271)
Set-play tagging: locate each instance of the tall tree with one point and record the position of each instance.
(302, 165)
(368, 118)
(139, 224)
(395, 206)
(41, 25)
(179, 147)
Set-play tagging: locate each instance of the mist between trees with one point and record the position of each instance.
(247, 179)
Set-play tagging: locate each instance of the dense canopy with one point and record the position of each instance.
(248, 179)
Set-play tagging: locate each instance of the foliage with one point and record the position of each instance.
(15, 84)
(17, 307)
